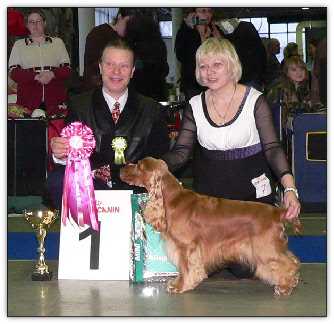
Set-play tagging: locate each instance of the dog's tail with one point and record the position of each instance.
(297, 226)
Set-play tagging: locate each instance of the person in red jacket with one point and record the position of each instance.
(40, 64)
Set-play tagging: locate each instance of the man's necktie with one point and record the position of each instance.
(115, 112)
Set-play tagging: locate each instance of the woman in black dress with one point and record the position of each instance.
(238, 148)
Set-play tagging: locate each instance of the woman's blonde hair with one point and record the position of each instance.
(294, 60)
(220, 47)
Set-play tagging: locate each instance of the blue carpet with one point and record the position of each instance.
(23, 246)
(309, 248)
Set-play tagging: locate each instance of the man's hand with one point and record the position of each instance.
(60, 147)
(103, 173)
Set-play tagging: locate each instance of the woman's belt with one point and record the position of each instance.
(235, 154)
(40, 68)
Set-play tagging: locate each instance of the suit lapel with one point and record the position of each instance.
(128, 116)
(102, 113)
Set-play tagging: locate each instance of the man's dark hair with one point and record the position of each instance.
(127, 11)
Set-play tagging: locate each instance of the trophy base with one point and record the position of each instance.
(41, 277)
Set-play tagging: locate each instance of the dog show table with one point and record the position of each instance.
(216, 296)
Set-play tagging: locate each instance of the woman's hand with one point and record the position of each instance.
(204, 32)
(290, 200)
(59, 147)
(215, 31)
(44, 77)
(292, 204)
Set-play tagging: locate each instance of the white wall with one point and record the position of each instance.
(86, 21)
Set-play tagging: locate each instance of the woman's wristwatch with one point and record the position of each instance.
(293, 190)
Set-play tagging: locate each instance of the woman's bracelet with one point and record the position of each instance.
(293, 190)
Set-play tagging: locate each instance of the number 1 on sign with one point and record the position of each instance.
(94, 245)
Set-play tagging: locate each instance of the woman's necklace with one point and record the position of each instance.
(223, 117)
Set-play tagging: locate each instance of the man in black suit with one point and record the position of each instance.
(141, 122)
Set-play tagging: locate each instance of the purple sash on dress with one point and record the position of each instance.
(234, 154)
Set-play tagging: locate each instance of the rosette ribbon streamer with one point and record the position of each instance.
(78, 189)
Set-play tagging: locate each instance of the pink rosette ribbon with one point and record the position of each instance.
(78, 189)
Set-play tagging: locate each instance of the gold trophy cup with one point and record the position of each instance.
(40, 220)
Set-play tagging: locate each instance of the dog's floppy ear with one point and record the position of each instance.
(162, 167)
(154, 212)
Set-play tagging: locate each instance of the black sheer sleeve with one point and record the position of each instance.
(271, 145)
(184, 145)
(158, 141)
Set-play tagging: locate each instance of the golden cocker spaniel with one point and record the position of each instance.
(203, 233)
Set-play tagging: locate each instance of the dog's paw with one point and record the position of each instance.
(295, 280)
(174, 290)
(287, 288)
(173, 286)
(282, 291)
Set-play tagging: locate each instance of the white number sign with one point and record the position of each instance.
(104, 255)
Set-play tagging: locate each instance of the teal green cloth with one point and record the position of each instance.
(149, 259)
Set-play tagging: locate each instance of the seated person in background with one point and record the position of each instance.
(238, 146)
(40, 64)
(112, 110)
(97, 39)
(293, 88)
(143, 35)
